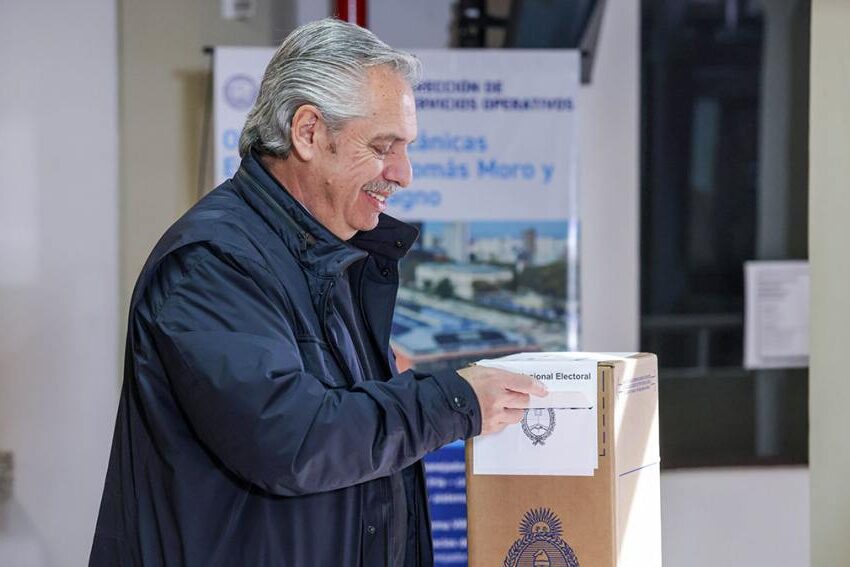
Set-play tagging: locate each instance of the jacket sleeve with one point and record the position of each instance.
(234, 365)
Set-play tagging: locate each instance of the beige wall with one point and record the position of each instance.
(163, 81)
(829, 238)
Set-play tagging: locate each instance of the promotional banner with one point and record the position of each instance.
(494, 195)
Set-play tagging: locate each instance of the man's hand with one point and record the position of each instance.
(502, 395)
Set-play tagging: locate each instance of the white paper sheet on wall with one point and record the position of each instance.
(558, 434)
(776, 331)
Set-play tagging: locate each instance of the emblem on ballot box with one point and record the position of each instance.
(538, 424)
(541, 544)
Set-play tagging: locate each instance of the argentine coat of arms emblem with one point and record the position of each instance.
(538, 424)
(541, 544)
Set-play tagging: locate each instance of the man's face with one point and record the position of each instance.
(366, 161)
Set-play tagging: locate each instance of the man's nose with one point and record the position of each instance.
(398, 169)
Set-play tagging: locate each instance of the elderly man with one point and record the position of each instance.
(262, 420)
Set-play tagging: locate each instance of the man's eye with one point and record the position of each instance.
(381, 152)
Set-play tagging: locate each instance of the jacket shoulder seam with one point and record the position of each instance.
(157, 309)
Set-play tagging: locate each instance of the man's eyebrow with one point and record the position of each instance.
(388, 137)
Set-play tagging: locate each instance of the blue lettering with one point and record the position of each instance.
(440, 170)
(508, 171)
(548, 171)
(407, 200)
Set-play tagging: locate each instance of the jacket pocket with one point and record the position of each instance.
(319, 361)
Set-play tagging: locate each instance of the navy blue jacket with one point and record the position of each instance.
(243, 437)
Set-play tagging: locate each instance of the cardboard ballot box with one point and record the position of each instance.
(571, 501)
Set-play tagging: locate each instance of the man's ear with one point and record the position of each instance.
(307, 126)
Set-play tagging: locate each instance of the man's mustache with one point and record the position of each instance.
(383, 187)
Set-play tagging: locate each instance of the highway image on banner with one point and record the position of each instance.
(473, 290)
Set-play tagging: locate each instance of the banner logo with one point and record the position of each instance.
(541, 544)
(240, 91)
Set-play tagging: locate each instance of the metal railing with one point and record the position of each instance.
(701, 326)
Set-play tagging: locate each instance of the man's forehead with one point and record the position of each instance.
(390, 106)
(384, 75)
(387, 88)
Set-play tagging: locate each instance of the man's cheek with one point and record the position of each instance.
(367, 161)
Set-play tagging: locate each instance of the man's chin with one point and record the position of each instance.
(365, 226)
(369, 224)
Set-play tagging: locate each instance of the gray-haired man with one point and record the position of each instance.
(262, 419)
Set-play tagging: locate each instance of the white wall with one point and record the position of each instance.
(609, 191)
(829, 235)
(58, 265)
(736, 517)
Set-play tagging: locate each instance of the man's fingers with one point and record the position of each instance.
(513, 415)
(508, 416)
(524, 384)
(504, 396)
(515, 400)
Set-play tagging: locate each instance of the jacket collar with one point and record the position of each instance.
(316, 247)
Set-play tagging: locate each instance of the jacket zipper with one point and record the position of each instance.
(387, 489)
(420, 491)
(372, 335)
(327, 335)
(386, 485)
